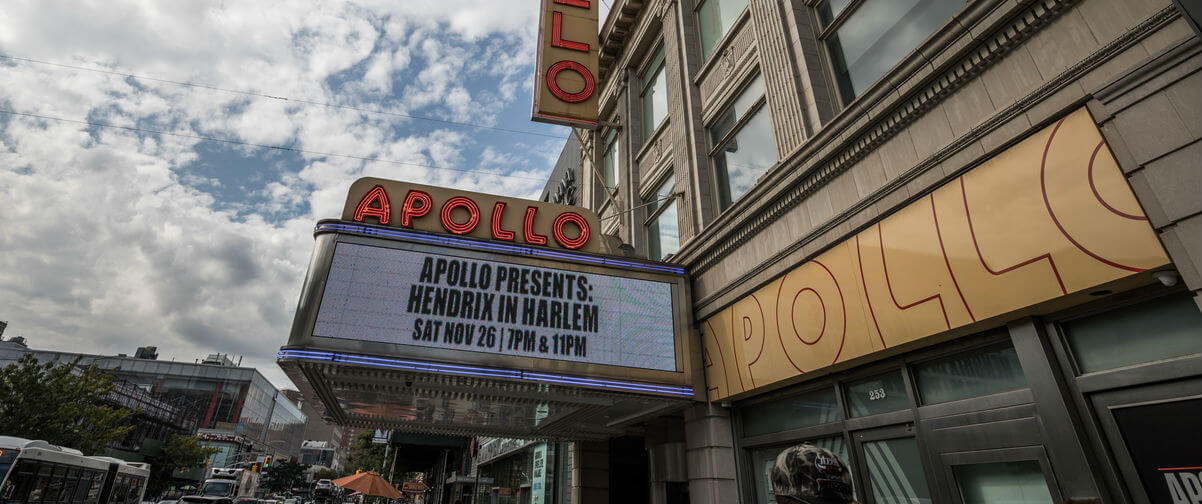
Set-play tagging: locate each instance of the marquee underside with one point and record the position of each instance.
(379, 396)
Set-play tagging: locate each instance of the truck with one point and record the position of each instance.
(224, 485)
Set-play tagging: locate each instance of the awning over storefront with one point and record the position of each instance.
(372, 393)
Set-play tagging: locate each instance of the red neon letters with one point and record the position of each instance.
(561, 238)
(380, 211)
(553, 71)
(449, 224)
(418, 204)
(577, 97)
(557, 35)
(411, 209)
(528, 228)
(497, 232)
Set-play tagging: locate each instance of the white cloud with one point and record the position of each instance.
(112, 238)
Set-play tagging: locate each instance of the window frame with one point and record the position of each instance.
(760, 104)
(824, 33)
(1037, 454)
(649, 65)
(721, 40)
(660, 208)
(611, 147)
(887, 425)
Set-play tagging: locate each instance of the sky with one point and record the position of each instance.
(141, 229)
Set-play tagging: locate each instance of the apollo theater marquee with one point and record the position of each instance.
(432, 310)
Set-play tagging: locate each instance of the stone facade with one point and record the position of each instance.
(996, 73)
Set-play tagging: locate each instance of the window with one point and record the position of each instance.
(879, 394)
(663, 230)
(895, 472)
(23, 481)
(874, 35)
(714, 19)
(812, 408)
(54, 485)
(975, 374)
(1153, 330)
(1019, 482)
(743, 148)
(609, 159)
(654, 94)
(763, 459)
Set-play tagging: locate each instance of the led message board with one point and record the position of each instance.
(438, 300)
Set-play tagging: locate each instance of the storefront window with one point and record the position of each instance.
(975, 374)
(743, 148)
(715, 17)
(895, 472)
(663, 230)
(879, 394)
(813, 408)
(763, 459)
(1009, 482)
(1154, 330)
(525, 477)
(876, 35)
(654, 94)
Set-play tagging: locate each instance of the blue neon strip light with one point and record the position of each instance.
(454, 369)
(490, 246)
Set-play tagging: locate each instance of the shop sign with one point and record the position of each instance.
(538, 473)
(565, 87)
(414, 487)
(1048, 217)
(449, 211)
(440, 300)
(220, 437)
(498, 447)
(1165, 444)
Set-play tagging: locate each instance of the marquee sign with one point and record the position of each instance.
(442, 281)
(565, 88)
(440, 210)
(442, 300)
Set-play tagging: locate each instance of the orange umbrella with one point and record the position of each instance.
(370, 483)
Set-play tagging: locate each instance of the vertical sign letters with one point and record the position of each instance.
(565, 89)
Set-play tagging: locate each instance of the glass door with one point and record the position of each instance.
(1154, 434)
(892, 470)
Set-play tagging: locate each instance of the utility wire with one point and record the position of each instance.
(275, 97)
(263, 146)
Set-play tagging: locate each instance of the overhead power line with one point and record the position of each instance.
(276, 97)
(264, 146)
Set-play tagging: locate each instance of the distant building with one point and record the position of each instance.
(319, 453)
(319, 431)
(234, 408)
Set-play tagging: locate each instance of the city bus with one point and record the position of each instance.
(37, 472)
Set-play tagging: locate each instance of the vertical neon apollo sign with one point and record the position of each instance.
(566, 86)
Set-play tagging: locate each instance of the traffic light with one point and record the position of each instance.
(254, 468)
(266, 462)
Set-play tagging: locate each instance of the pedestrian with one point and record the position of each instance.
(809, 474)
